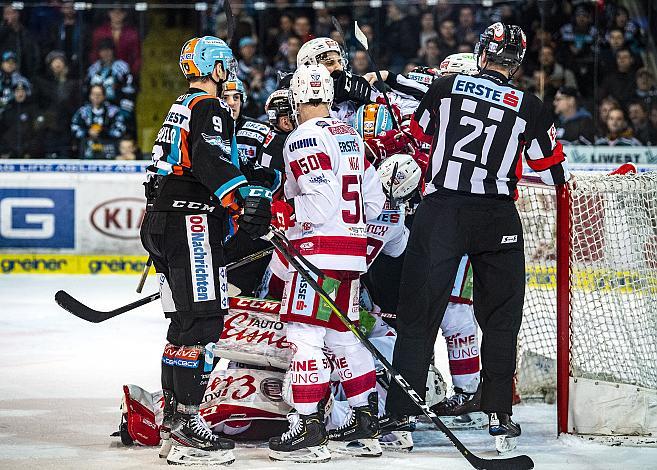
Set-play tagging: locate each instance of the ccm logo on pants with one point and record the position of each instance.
(200, 257)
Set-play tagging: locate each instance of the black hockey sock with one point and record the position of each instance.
(190, 377)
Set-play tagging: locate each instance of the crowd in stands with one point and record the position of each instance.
(69, 79)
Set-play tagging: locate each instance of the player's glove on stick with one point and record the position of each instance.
(350, 87)
(282, 214)
(256, 210)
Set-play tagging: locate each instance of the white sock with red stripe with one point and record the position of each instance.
(354, 365)
(309, 372)
(461, 335)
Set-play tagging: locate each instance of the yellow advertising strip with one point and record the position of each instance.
(592, 279)
(70, 264)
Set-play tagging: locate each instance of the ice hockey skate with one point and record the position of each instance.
(195, 444)
(397, 441)
(358, 435)
(305, 442)
(462, 410)
(505, 431)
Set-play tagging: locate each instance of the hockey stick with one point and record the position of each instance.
(144, 275)
(362, 40)
(520, 462)
(80, 310)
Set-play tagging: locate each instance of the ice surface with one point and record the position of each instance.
(61, 378)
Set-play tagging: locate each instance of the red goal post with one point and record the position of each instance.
(589, 332)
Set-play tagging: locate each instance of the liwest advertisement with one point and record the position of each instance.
(68, 217)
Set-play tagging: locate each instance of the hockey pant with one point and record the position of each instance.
(307, 380)
(188, 256)
(490, 232)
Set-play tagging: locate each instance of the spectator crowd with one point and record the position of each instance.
(69, 79)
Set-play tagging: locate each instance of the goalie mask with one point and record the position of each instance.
(372, 119)
(318, 51)
(400, 175)
(310, 84)
(464, 63)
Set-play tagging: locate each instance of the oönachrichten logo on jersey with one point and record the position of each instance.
(200, 256)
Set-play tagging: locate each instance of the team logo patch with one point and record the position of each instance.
(200, 258)
(272, 388)
(509, 239)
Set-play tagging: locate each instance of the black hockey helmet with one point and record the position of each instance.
(504, 45)
(277, 105)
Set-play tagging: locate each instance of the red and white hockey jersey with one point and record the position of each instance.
(387, 233)
(335, 191)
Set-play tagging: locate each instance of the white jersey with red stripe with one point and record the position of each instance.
(387, 233)
(335, 191)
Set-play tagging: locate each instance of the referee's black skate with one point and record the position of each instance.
(462, 410)
(358, 435)
(305, 442)
(195, 444)
(505, 431)
(389, 422)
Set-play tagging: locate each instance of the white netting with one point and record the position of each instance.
(613, 283)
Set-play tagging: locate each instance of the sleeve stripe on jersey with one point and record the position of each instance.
(323, 159)
(544, 163)
(227, 188)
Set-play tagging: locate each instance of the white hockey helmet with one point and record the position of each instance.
(400, 176)
(310, 84)
(312, 51)
(464, 62)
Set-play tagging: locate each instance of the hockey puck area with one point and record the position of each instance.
(63, 377)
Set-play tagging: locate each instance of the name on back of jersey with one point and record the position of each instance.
(488, 91)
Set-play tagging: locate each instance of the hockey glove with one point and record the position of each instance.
(258, 175)
(256, 210)
(282, 214)
(385, 144)
(350, 87)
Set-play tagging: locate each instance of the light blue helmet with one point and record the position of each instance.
(372, 119)
(200, 55)
(235, 84)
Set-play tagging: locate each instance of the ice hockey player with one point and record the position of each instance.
(351, 90)
(193, 185)
(250, 138)
(331, 191)
(478, 127)
(279, 115)
(250, 133)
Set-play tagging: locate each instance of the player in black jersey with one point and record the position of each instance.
(194, 186)
(250, 136)
(250, 133)
(279, 114)
(478, 127)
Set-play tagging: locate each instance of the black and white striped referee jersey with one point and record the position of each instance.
(478, 127)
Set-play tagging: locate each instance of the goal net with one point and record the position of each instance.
(599, 361)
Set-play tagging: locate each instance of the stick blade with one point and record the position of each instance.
(519, 462)
(360, 36)
(77, 308)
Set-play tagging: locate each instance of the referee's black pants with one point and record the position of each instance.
(448, 225)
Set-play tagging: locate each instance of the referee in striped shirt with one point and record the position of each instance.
(478, 127)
